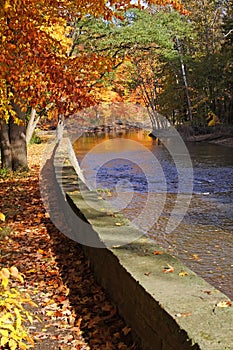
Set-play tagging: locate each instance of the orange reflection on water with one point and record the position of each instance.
(89, 140)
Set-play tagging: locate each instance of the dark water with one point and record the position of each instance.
(204, 238)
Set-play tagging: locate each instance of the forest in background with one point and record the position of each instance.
(176, 63)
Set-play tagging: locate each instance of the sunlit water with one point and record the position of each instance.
(204, 238)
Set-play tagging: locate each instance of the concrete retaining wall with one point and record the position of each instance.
(167, 311)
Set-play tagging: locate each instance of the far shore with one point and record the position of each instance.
(219, 135)
(223, 140)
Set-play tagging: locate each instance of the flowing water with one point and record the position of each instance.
(204, 238)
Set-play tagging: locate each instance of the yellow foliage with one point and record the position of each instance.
(13, 315)
(59, 32)
(6, 109)
(212, 119)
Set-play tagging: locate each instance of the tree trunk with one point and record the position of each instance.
(13, 142)
(184, 79)
(18, 146)
(60, 128)
(33, 121)
(5, 145)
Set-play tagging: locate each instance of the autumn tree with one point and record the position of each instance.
(45, 66)
(225, 102)
(37, 68)
(205, 59)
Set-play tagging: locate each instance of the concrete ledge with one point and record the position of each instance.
(167, 311)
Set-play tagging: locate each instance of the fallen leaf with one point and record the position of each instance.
(157, 252)
(225, 303)
(75, 329)
(183, 273)
(118, 224)
(183, 314)
(2, 217)
(41, 251)
(126, 330)
(207, 292)
(5, 273)
(68, 338)
(195, 257)
(14, 271)
(50, 313)
(31, 271)
(169, 268)
(147, 273)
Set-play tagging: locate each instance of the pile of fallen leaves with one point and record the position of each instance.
(73, 310)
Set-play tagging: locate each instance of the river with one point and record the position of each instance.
(204, 238)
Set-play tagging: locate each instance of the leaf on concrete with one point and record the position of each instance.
(168, 268)
(183, 314)
(157, 252)
(183, 273)
(224, 303)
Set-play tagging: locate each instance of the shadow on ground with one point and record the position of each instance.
(96, 316)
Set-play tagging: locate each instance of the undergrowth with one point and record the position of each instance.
(14, 315)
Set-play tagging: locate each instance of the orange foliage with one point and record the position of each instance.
(36, 68)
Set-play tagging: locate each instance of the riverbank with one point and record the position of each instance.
(224, 141)
(219, 135)
(218, 139)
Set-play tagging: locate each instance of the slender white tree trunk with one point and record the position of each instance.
(184, 79)
(33, 121)
(60, 128)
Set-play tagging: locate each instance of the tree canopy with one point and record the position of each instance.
(37, 67)
(55, 53)
(181, 65)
